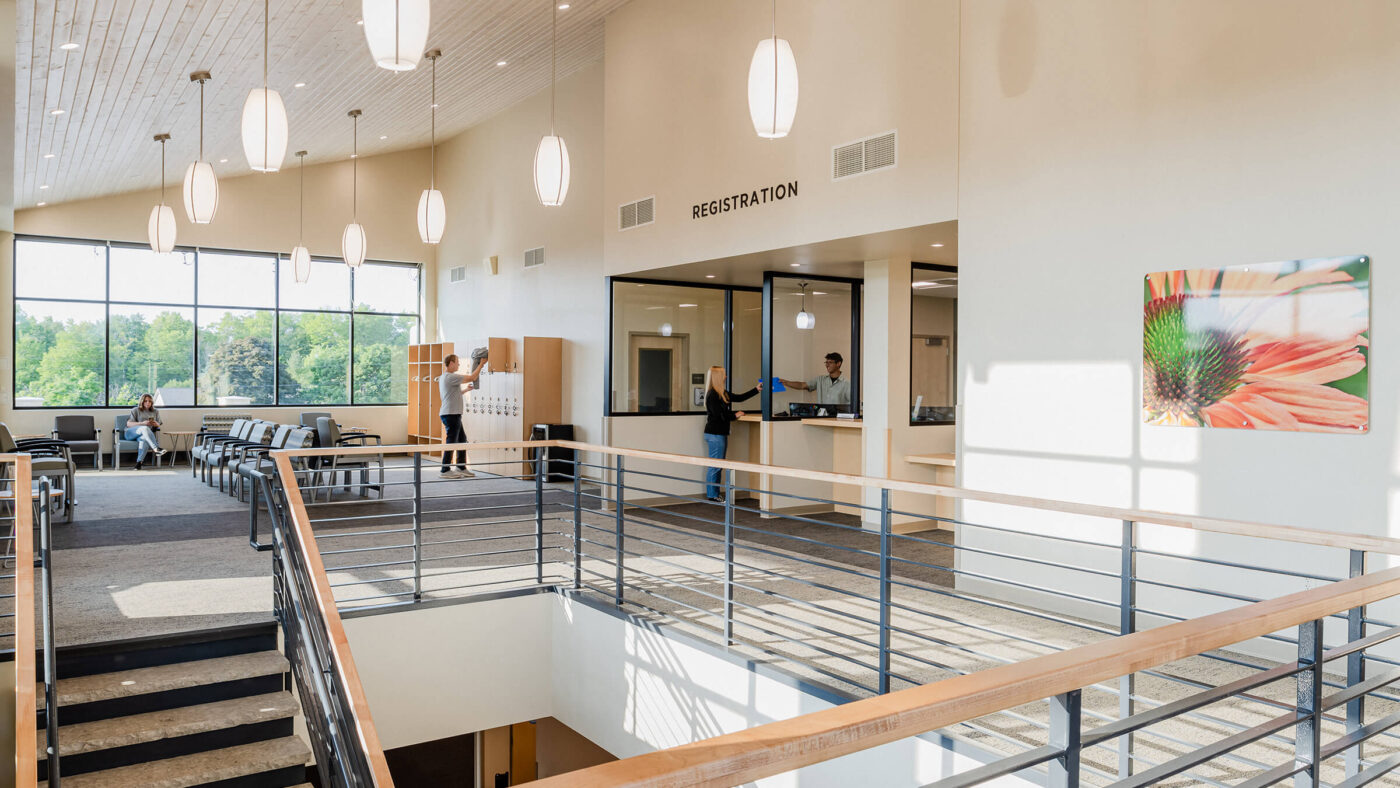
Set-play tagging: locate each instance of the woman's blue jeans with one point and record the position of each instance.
(144, 439)
(715, 446)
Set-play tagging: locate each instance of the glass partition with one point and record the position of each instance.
(664, 338)
(933, 345)
(812, 338)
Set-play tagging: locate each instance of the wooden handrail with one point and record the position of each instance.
(1286, 533)
(335, 628)
(779, 747)
(26, 734)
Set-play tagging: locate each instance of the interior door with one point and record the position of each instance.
(657, 379)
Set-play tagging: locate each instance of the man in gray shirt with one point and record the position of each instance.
(452, 385)
(831, 388)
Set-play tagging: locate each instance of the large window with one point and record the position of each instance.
(98, 325)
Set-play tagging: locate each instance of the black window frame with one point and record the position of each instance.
(279, 259)
(947, 269)
(857, 300)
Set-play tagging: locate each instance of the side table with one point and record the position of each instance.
(181, 441)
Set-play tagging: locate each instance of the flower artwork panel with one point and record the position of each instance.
(1277, 346)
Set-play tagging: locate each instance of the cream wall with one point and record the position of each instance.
(1105, 140)
(257, 212)
(486, 179)
(678, 127)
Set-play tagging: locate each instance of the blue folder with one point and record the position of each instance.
(775, 385)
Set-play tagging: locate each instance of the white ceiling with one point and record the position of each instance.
(130, 81)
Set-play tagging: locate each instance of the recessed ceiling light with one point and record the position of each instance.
(936, 246)
(684, 306)
(818, 292)
(56, 111)
(45, 186)
(68, 46)
(383, 136)
(563, 6)
(359, 21)
(42, 203)
(709, 276)
(223, 161)
(354, 155)
(796, 265)
(48, 155)
(299, 85)
(501, 62)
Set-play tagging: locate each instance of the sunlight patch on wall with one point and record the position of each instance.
(1075, 408)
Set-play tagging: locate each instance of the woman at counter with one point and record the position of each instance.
(718, 414)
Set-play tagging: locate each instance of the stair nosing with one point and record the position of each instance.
(219, 715)
(164, 678)
(171, 774)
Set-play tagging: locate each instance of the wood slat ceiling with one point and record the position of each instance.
(129, 80)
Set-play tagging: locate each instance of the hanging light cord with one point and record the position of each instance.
(355, 175)
(775, 76)
(301, 205)
(201, 121)
(553, 57)
(162, 172)
(432, 179)
(267, 22)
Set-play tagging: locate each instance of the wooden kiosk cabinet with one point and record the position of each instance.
(520, 387)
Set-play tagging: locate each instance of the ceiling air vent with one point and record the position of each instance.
(636, 214)
(865, 155)
(534, 257)
(457, 274)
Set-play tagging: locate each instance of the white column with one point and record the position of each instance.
(884, 367)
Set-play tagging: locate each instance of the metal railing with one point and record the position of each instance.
(866, 604)
(338, 722)
(33, 662)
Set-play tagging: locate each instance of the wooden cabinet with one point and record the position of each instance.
(520, 387)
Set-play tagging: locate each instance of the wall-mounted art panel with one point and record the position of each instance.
(1275, 346)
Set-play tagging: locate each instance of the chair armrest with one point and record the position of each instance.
(358, 437)
(41, 443)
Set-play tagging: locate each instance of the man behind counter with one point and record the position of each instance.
(831, 388)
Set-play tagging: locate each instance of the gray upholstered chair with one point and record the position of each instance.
(209, 444)
(260, 434)
(331, 437)
(119, 441)
(309, 418)
(80, 433)
(49, 458)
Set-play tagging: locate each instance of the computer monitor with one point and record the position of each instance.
(811, 410)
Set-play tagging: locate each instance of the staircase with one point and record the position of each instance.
(207, 708)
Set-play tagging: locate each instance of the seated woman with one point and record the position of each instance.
(718, 414)
(142, 426)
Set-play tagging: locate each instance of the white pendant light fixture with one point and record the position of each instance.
(301, 258)
(666, 329)
(552, 155)
(805, 320)
(352, 241)
(201, 184)
(161, 227)
(773, 85)
(432, 211)
(264, 120)
(396, 30)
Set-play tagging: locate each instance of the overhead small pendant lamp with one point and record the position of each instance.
(805, 320)
(773, 85)
(161, 227)
(264, 120)
(201, 184)
(552, 155)
(352, 241)
(301, 258)
(396, 30)
(432, 211)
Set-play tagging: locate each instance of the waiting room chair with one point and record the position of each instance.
(49, 458)
(310, 417)
(119, 441)
(207, 443)
(331, 437)
(248, 458)
(80, 433)
(260, 434)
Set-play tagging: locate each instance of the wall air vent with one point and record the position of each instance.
(534, 257)
(865, 155)
(457, 274)
(636, 214)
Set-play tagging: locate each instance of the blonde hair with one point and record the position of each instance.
(710, 383)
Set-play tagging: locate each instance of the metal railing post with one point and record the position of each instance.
(539, 514)
(45, 562)
(617, 534)
(1308, 734)
(417, 526)
(884, 682)
(578, 525)
(729, 557)
(1127, 625)
(1065, 721)
(1356, 667)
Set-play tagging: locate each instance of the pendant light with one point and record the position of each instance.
(432, 211)
(773, 85)
(396, 31)
(161, 227)
(301, 258)
(552, 155)
(805, 320)
(352, 241)
(264, 120)
(201, 184)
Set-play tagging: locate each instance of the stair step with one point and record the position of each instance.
(205, 767)
(185, 721)
(163, 678)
